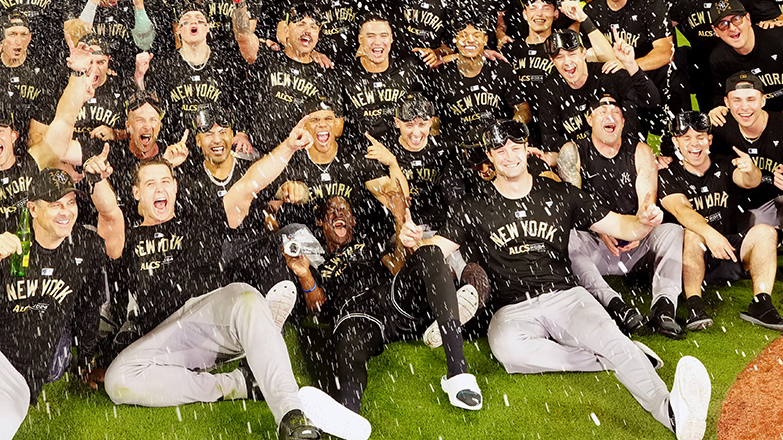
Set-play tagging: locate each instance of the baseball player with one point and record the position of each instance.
(547, 323)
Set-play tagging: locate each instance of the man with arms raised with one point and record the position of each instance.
(702, 190)
(546, 323)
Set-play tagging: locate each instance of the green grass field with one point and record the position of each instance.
(404, 400)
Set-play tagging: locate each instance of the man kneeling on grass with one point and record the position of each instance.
(520, 225)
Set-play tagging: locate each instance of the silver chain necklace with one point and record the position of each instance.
(323, 170)
(226, 180)
(202, 65)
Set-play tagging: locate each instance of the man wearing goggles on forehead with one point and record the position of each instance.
(564, 109)
(703, 192)
(756, 131)
(745, 46)
(621, 172)
(545, 322)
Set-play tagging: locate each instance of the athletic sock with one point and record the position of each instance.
(451, 334)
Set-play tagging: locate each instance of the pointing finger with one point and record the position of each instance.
(300, 125)
(408, 218)
(185, 136)
(105, 152)
(739, 152)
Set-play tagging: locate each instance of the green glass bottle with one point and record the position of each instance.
(20, 262)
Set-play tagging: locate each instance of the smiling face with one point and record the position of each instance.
(324, 127)
(216, 143)
(7, 138)
(413, 134)
(607, 122)
(156, 190)
(193, 28)
(746, 106)
(694, 147)
(471, 42)
(510, 160)
(375, 41)
(54, 220)
(540, 16)
(338, 222)
(572, 65)
(16, 41)
(143, 126)
(738, 34)
(303, 35)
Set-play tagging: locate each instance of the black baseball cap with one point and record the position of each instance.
(51, 184)
(93, 39)
(319, 103)
(725, 8)
(744, 80)
(207, 115)
(303, 10)
(604, 99)
(562, 39)
(412, 106)
(12, 20)
(501, 131)
(141, 97)
(688, 119)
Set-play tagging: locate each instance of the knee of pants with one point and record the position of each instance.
(117, 389)
(14, 414)
(670, 232)
(505, 341)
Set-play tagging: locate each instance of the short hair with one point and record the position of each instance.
(372, 16)
(156, 160)
(322, 205)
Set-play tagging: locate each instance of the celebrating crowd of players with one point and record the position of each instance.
(434, 159)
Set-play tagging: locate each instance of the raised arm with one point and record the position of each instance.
(569, 164)
(111, 224)
(244, 32)
(646, 174)
(143, 30)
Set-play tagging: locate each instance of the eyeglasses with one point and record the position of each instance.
(568, 40)
(503, 130)
(690, 119)
(735, 20)
(207, 117)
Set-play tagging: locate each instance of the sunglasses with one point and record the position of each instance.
(690, 119)
(562, 40)
(502, 131)
(735, 20)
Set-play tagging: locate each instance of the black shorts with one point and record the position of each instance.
(719, 271)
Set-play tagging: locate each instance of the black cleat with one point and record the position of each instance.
(662, 319)
(253, 391)
(628, 318)
(762, 312)
(697, 316)
(295, 426)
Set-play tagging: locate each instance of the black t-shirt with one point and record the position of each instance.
(35, 308)
(523, 244)
(338, 38)
(107, 108)
(175, 261)
(419, 23)
(693, 20)
(612, 181)
(14, 184)
(123, 162)
(764, 61)
(766, 152)
(370, 98)
(563, 109)
(516, 25)
(33, 94)
(761, 10)
(463, 102)
(641, 23)
(46, 25)
(425, 171)
(281, 86)
(714, 195)
(489, 8)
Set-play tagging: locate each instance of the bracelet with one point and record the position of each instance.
(587, 25)
(315, 286)
(78, 74)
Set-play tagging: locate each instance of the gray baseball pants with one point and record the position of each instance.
(591, 260)
(165, 367)
(568, 330)
(14, 399)
(769, 213)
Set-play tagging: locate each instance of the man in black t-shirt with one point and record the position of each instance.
(745, 47)
(16, 172)
(46, 18)
(545, 322)
(702, 191)
(621, 172)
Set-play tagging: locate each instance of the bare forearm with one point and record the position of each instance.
(59, 134)
(111, 224)
(657, 58)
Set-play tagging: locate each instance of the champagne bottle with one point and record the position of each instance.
(20, 262)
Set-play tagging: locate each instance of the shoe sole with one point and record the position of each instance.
(752, 320)
(690, 398)
(468, 301)
(331, 417)
(661, 331)
(281, 299)
(467, 382)
(701, 324)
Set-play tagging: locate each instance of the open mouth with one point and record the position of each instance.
(570, 71)
(695, 154)
(378, 51)
(193, 30)
(63, 222)
(745, 116)
(735, 36)
(340, 228)
(17, 51)
(610, 128)
(322, 137)
(218, 151)
(306, 40)
(145, 139)
(160, 204)
(415, 140)
(470, 47)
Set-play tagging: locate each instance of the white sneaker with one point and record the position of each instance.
(655, 360)
(468, 302)
(328, 415)
(281, 299)
(463, 391)
(690, 399)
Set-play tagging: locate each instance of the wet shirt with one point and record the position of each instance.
(766, 152)
(419, 23)
(33, 94)
(563, 110)
(462, 102)
(46, 25)
(371, 98)
(523, 243)
(35, 308)
(532, 66)
(761, 10)
(693, 20)
(280, 86)
(714, 195)
(175, 261)
(764, 61)
(612, 181)
(106, 108)
(641, 23)
(14, 184)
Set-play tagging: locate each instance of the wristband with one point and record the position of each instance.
(587, 25)
(78, 74)
(88, 13)
(315, 286)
